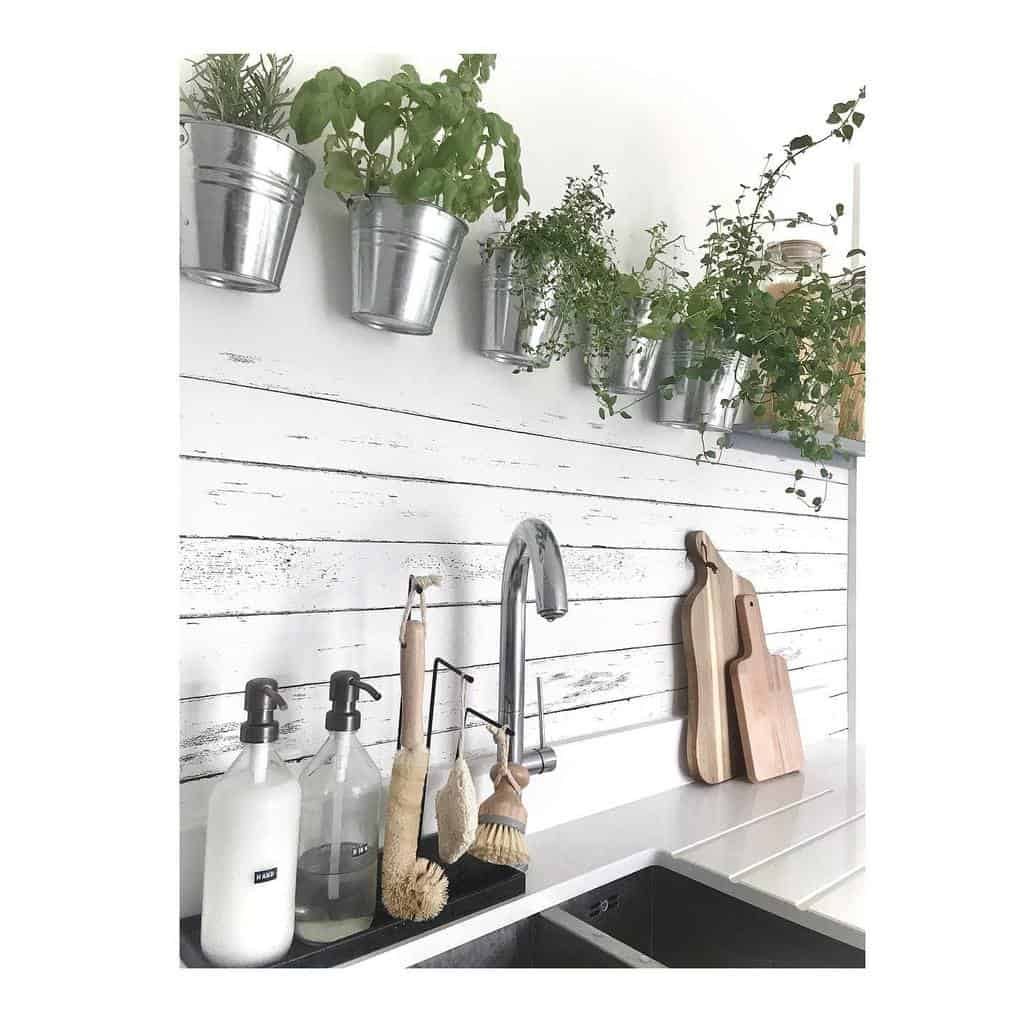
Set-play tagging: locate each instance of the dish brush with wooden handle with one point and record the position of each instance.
(501, 833)
(412, 888)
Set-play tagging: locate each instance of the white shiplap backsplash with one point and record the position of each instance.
(323, 462)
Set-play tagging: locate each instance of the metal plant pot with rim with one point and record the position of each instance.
(697, 402)
(512, 330)
(241, 196)
(629, 369)
(403, 255)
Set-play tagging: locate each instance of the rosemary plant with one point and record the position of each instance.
(228, 87)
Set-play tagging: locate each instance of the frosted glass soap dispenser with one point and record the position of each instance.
(251, 844)
(336, 886)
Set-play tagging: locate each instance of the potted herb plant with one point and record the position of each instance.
(415, 173)
(796, 353)
(242, 185)
(625, 316)
(534, 271)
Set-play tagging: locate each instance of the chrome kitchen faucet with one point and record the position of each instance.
(532, 543)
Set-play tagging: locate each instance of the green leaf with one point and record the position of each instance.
(451, 106)
(468, 137)
(404, 185)
(379, 125)
(857, 118)
(422, 94)
(342, 175)
(839, 209)
(800, 142)
(315, 104)
(344, 115)
(423, 125)
(847, 131)
(374, 95)
(833, 118)
(625, 415)
(445, 156)
(429, 182)
(411, 72)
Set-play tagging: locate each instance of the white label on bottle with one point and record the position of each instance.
(266, 875)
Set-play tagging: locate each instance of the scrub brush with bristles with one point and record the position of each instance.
(501, 833)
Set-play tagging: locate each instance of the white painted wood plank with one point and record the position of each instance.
(209, 725)
(754, 844)
(799, 875)
(227, 499)
(432, 388)
(252, 425)
(809, 646)
(215, 653)
(237, 576)
(846, 903)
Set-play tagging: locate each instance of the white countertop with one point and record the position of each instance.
(793, 846)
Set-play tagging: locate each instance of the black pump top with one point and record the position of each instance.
(345, 687)
(261, 701)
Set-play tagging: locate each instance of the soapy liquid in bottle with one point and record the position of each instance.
(335, 897)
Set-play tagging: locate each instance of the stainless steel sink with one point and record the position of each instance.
(652, 918)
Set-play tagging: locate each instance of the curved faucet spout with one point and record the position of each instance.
(532, 543)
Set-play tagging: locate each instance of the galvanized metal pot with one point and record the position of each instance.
(403, 255)
(512, 333)
(241, 197)
(695, 401)
(628, 370)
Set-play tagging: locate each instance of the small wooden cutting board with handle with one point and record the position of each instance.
(767, 718)
(710, 641)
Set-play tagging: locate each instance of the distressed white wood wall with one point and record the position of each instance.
(322, 462)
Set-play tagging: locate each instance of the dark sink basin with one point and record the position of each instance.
(652, 918)
(681, 923)
(551, 939)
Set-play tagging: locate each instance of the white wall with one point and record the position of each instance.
(323, 462)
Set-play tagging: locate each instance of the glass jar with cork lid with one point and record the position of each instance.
(786, 259)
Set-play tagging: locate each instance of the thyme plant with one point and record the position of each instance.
(556, 256)
(228, 87)
(429, 141)
(566, 260)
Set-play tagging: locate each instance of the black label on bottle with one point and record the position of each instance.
(266, 875)
(358, 851)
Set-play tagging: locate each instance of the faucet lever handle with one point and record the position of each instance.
(540, 710)
(541, 758)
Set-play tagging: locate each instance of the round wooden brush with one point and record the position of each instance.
(412, 888)
(501, 833)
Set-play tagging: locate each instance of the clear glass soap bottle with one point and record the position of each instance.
(339, 834)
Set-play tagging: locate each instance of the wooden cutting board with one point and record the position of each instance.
(710, 641)
(767, 718)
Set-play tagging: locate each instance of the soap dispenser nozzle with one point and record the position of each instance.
(261, 701)
(345, 687)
